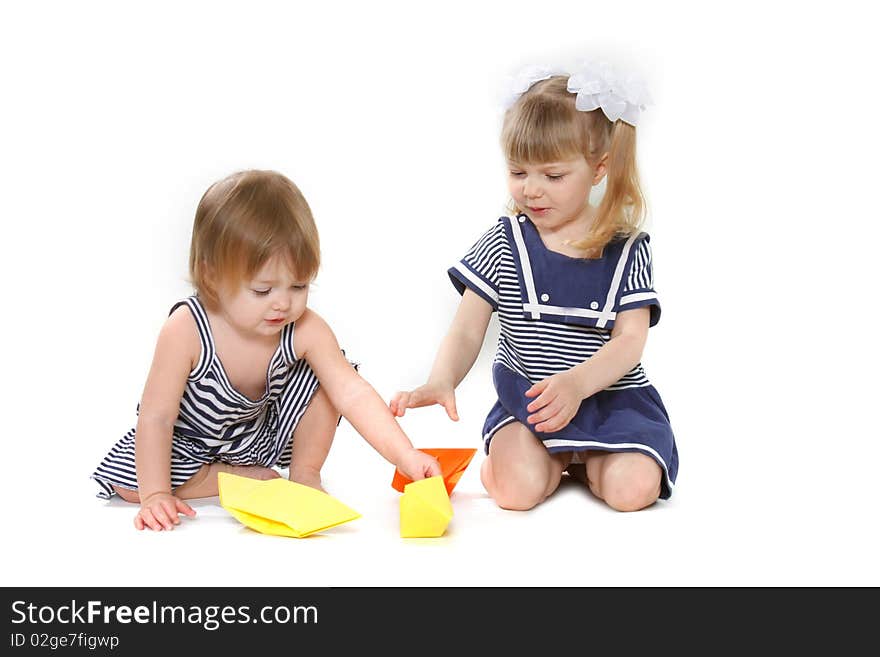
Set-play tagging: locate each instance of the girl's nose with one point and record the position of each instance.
(531, 189)
(282, 302)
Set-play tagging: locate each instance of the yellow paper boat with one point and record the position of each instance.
(425, 509)
(281, 507)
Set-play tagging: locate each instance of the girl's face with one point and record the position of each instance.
(263, 305)
(555, 193)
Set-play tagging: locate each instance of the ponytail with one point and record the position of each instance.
(622, 209)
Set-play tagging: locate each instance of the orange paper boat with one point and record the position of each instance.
(453, 462)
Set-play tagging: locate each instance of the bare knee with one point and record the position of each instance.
(630, 487)
(128, 495)
(518, 490)
(518, 498)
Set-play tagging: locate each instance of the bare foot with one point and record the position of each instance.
(253, 472)
(204, 482)
(307, 478)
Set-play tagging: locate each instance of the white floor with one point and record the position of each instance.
(709, 533)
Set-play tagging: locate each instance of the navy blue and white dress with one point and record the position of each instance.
(218, 423)
(554, 313)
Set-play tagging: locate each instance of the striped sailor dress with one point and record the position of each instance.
(218, 423)
(555, 312)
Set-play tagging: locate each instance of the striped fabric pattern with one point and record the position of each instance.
(218, 423)
(641, 274)
(537, 348)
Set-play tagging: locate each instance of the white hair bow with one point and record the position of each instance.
(599, 85)
(522, 82)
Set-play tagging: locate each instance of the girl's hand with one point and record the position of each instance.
(417, 465)
(558, 399)
(160, 511)
(425, 395)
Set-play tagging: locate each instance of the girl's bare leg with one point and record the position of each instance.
(519, 473)
(311, 444)
(312, 439)
(627, 481)
(204, 482)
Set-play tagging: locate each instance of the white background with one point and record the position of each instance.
(759, 163)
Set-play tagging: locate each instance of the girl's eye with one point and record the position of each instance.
(261, 293)
(300, 287)
(555, 176)
(516, 174)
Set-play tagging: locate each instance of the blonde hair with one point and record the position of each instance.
(244, 220)
(545, 126)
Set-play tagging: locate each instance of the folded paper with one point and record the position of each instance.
(453, 462)
(281, 507)
(425, 509)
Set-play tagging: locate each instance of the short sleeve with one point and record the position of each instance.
(638, 288)
(478, 269)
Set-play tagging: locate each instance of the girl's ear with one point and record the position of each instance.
(600, 169)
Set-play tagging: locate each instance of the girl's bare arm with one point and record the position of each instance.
(177, 350)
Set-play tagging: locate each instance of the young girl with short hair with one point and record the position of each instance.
(245, 377)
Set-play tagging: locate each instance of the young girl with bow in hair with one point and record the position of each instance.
(573, 287)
